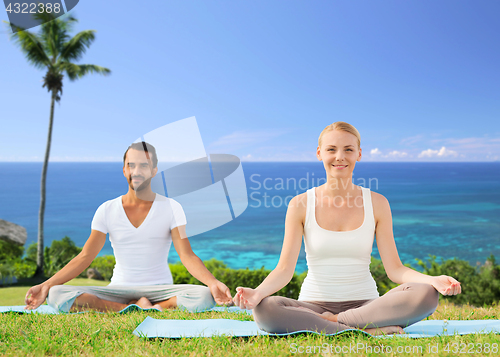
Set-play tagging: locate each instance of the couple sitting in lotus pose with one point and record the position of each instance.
(338, 221)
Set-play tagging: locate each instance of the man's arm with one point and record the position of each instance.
(195, 266)
(37, 294)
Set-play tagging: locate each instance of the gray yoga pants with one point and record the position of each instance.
(402, 306)
(193, 298)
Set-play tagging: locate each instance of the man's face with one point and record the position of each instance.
(138, 169)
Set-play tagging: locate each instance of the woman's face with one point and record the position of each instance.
(339, 153)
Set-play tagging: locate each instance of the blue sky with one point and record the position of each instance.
(418, 79)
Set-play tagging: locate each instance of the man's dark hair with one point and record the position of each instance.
(143, 146)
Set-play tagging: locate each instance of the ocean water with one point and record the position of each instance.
(444, 209)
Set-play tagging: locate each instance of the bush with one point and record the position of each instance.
(236, 277)
(104, 265)
(10, 251)
(480, 285)
(384, 284)
(56, 256)
(59, 254)
(10, 261)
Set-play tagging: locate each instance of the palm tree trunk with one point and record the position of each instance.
(41, 213)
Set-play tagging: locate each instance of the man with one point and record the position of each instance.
(141, 226)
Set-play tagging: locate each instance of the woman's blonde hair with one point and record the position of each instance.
(343, 126)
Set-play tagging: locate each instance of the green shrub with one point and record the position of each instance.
(10, 251)
(487, 289)
(56, 256)
(384, 284)
(104, 265)
(10, 259)
(480, 284)
(236, 277)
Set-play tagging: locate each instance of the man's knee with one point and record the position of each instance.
(198, 298)
(62, 297)
(206, 299)
(58, 290)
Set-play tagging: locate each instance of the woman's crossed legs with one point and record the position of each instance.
(399, 307)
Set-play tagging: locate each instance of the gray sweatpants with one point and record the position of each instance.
(193, 298)
(402, 306)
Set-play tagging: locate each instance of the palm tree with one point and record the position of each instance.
(54, 51)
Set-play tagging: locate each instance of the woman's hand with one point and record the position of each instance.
(247, 298)
(446, 285)
(35, 296)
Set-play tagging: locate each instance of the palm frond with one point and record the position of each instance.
(54, 32)
(76, 47)
(76, 71)
(32, 46)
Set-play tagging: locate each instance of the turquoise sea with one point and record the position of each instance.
(445, 209)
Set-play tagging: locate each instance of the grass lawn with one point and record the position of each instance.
(94, 334)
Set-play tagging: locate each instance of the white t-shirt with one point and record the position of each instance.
(141, 253)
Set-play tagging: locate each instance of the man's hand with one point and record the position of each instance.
(221, 293)
(247, 298)
(446, 285)
(35, 296)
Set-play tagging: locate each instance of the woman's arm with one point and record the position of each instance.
(248, 298)
(395, 270)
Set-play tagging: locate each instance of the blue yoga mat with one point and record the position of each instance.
(46, 309)
(151, 328)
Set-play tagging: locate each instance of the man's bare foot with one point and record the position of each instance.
(144, 303)
(386, 330)
(156, 306)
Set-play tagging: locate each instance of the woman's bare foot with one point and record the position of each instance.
(386, 330)
(329, 316)
(156, 306)
(326, 315)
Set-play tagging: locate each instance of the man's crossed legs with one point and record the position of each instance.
(193, 298)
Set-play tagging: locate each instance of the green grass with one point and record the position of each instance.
(94, 334)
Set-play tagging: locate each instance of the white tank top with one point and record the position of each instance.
(338, 261)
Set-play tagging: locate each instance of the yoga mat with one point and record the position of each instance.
(151, 328)
(46, 309)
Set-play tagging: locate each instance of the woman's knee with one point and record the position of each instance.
(430, 297)
(426, 296)
(267, 307)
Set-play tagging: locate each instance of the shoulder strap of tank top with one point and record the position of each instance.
(310, 206)
(368, 206)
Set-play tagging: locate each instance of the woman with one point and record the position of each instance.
(338, 221)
